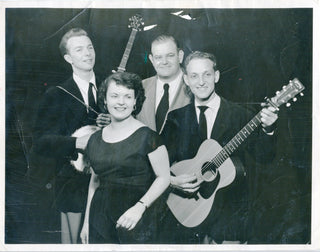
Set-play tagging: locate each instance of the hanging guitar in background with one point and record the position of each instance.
(214, 167)
(136, 22)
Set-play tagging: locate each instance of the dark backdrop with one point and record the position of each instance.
(258, 51)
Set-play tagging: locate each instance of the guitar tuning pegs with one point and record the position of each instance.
(284, 87)
(288, 104)
(301, 94)
(278, 92)
(294, 99)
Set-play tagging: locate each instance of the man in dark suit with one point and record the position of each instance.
(166, 57)
(210, 116)
(64, 109)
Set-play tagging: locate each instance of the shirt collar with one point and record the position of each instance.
(214, 103)
(172, 83)
(83, 84)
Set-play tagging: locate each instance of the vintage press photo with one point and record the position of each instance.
(260, 48)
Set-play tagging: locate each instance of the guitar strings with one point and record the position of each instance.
(223, 154)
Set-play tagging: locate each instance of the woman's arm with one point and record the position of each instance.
(160, 163)
(93, 185)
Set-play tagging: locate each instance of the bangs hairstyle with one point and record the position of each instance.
(128, 80)
(74, 32)
(200, 55)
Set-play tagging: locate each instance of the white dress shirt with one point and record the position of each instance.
(173, 89)
(210, 113)
(84, 87)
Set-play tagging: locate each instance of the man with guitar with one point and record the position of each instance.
(166, 91)
(64, 109)
(210, 116)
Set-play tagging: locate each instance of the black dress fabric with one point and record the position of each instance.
(125, 175)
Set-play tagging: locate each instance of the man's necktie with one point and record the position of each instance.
(92, 103)
(203, 123)
(162, 108)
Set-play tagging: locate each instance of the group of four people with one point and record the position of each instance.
(144, 128)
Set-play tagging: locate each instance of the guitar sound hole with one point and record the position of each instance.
(208, 171)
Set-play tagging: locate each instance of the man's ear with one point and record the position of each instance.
(180, 55)
(68, 58)
(151, 58)
(216, 76)
(185, 78)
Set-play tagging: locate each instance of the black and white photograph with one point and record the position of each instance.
(159, 125)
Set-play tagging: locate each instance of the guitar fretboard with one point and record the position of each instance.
(235, 142)
(127, 51)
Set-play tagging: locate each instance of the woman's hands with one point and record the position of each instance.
(130, 218)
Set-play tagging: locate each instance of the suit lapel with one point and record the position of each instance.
(191, 119)
(149, 104)
(182, 98)
(220, 124)
(73, 104)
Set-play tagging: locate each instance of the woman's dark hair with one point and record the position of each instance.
(128, 80)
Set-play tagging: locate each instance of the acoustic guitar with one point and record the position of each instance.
(214, 168)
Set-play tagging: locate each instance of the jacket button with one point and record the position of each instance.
(49, 186)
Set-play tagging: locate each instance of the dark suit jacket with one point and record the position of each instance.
(228, 218)
(183, 140)
(147, 114)
(58, 117)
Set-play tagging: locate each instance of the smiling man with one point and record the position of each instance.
(63, 110)
(210, 116)
(166, 91)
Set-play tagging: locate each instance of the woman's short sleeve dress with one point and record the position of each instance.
(125, 175)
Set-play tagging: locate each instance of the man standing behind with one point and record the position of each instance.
(64, 109)
(166, 91)
(210, 116)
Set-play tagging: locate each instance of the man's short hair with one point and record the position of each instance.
(163, 38)
(74, 32)
(200, 55)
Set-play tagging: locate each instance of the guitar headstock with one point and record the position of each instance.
(287, 93)
(136, 22)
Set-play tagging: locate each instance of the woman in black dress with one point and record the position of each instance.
(130, 169)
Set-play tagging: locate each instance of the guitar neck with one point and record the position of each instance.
(237, 140)
(127, 51)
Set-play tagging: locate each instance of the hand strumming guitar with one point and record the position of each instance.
(186, 183)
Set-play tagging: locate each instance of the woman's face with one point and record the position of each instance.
(120, 101)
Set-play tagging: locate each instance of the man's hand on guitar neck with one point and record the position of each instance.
(185, 182)
(269, 116)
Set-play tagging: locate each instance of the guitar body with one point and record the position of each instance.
(192, 210)
(214, 168)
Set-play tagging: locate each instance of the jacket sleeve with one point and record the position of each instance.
(51, 136)
(260, 145)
